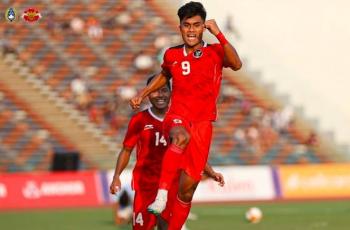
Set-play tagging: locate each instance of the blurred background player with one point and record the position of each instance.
(123, 205)
(196, 71)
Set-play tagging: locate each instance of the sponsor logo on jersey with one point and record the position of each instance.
(148, 127)
(197, 53)
(11, 14)
(31, 15)
(177, 121)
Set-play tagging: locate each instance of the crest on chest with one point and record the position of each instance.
(198, 53)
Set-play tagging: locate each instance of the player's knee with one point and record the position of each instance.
(186, 196)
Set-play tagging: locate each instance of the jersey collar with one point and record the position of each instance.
(184, 49)
(154, 116)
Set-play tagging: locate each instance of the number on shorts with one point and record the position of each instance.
(186, 68)
(138, 219)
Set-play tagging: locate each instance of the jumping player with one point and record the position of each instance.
(145, 130)
(196, 71)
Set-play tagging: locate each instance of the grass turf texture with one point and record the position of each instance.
(333, 215)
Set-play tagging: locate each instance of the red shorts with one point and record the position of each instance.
(196, 154)
(142, 219)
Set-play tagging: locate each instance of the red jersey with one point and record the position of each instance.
(196, 81)
(145, 130)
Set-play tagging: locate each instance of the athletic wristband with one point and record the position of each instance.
(220, 36)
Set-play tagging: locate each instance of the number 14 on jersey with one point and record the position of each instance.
(160, 139)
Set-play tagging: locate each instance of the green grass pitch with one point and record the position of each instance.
(332, 215)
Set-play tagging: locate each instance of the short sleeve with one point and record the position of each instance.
(219, 50)
(132, 133)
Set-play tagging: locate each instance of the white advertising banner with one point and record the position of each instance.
(242, 183)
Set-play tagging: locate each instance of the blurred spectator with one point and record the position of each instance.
(77, 25)
(143, 62)
(108, 109)
(267, 133)
(161, 41)
(95, 114)
(300, 149)
(65, 26)
(136, 4)
(312, 140)
(253, 137)
(229, 93)
(287, 115)
(281, 119)
(266, 120)
(123, 19)
(7, 46)
(240, 138)
(43, 134)
(140, 14)
(155, 21)
(94, 28)
(160, 55)
(127, 92)
(109, 23)
(255, 115)
(81, 95)
(78, 86)
(90, 71)
(51, 22)
(245, 106)
(19, 115)
(229, 27)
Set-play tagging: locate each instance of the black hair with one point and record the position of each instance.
(190, 10)
(153, 76)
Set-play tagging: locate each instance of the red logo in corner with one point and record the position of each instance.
(31, 15)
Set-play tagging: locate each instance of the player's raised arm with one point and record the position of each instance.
(158, 81)
(231, 58)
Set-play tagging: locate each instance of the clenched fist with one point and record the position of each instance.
(212, 27)
(115, 186)
(136, 102)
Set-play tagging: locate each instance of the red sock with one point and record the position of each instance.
(170, 166)
(179, 214)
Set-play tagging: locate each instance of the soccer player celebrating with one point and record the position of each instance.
(146, 131)
(196, 71)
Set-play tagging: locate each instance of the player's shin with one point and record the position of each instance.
(179, 214)
(170, 166)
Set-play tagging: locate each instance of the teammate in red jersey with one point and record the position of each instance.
(196, 71)
(145, 130)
